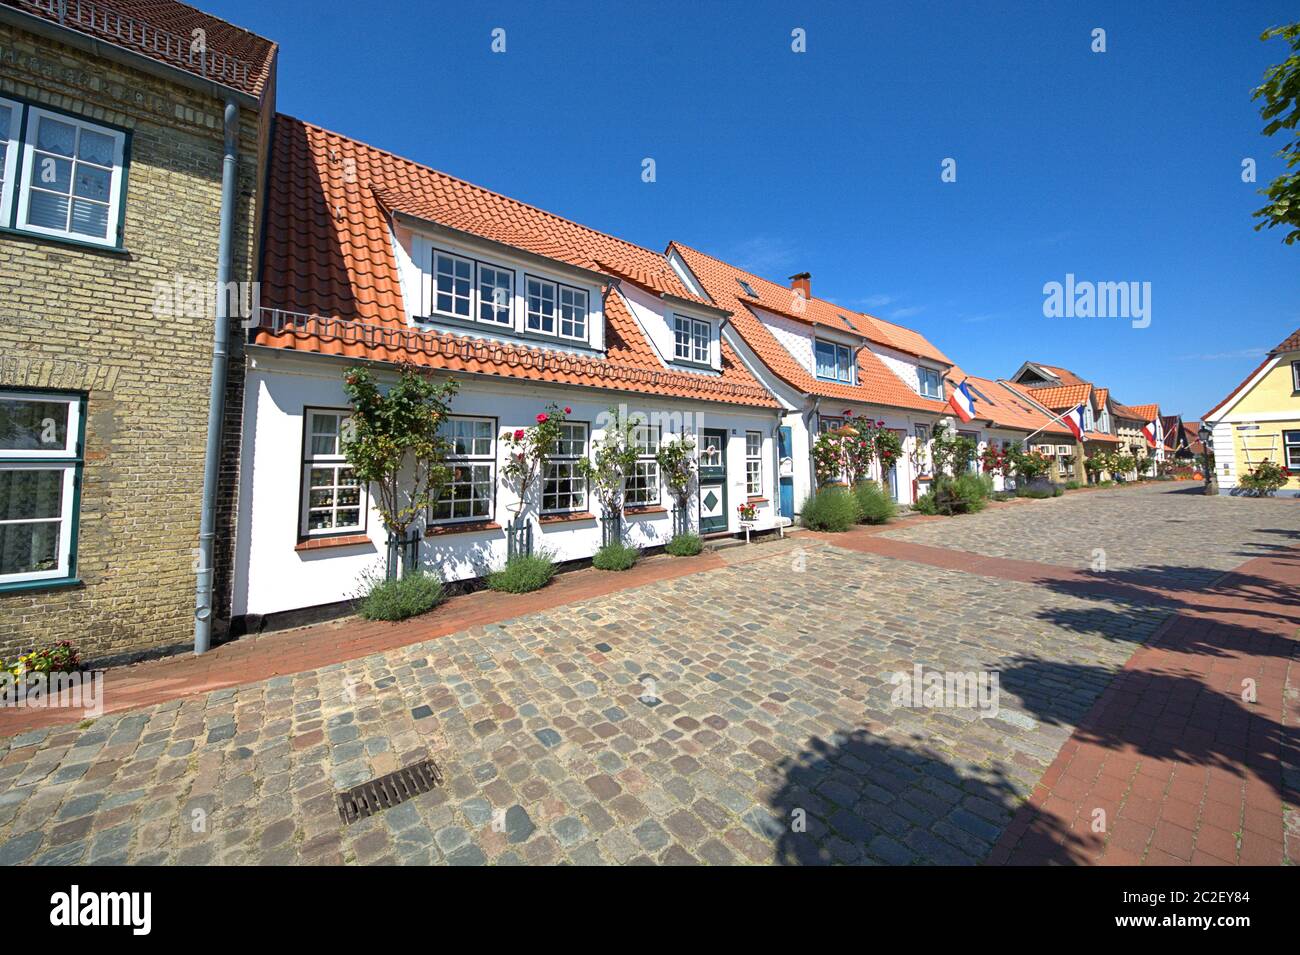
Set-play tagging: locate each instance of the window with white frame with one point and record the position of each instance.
(931, 382)
(1295, 375)
(754, 463)
(555, 309)
(573, 312)
(496, 294)
(643, 481)
(471, 456)
(72, 178)
(333, 500)
(1291, 449)
(1089, 424)
(834, 361)
(691, 339)
(10, 116)
(564, 488)
(453, 284)
(541, 306)
(40, 478)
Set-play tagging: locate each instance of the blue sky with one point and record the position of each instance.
(1116, 166)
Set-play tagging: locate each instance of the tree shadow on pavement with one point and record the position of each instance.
(868, 801)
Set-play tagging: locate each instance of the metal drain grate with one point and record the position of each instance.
(387, 791)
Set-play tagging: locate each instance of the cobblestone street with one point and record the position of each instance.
(742, 714)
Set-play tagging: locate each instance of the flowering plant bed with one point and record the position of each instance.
(747, 511)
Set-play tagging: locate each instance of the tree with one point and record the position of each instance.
(1281, 110)
(395, 443)
(677, 465)
(528, 450)
(611, 462)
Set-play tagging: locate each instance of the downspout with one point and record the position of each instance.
(813, 412)
(217, 396)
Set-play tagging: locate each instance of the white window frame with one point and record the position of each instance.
(643, 483)
(567, 312)
(558, 292)
(312, 460)
(470, 456)
(692, 340)
(66, 459)
(753, 464)
(1295, 376)
(490, 303)
(924, 375)
(9, 158)
(470, 296)
(116, 178)
(1290, 443)
(565, 459)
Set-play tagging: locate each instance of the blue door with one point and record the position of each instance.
(785, 470)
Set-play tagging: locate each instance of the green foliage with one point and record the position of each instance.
(616, 556)
(1280, 92)
(1039, 492)
(1027, 466)
(952, 453)
(1265, 479)
(393, 441)
(677, 467)
(874, 505)
(60, 658)
(529, 449)
(830, 509)
(685, 545)
(926, 504)
(611, 462)
(1072, 485)
(413, 593)
(523, 573)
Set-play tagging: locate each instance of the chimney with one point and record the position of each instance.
(802, 283)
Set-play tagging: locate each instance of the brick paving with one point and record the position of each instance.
(738, 715)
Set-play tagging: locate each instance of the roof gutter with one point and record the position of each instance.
(138, 61)
(217, 395)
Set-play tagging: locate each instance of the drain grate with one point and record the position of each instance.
(387, 791)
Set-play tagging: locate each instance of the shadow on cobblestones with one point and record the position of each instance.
(865, 800)
(1159, 715)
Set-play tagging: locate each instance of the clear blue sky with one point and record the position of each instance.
(1122, 166)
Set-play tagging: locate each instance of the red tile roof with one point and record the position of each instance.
(1003, 407)
(1145, 413)
(896, 336)
(1290, 343)
(1061, 397)
(876, 385)
(329, 263)
(163, 30)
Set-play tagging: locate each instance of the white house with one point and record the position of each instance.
(375, 260)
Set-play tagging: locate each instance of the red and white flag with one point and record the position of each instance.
(1149, 431)
(1074, 421)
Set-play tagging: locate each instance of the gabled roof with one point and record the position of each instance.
(1288, 344)
(1145, 413)
(899, 338)
(329, 266)
(1003, 407)
(163, 30)
(876, 383)
(1061, 397)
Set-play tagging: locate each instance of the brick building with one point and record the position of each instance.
(113, 122)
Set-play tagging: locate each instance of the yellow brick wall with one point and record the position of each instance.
(84, 319)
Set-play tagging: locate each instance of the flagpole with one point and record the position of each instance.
(1053, 421)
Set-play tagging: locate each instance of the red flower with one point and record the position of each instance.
(541, 418)
(880, 424)
(848, 412)
(519, 434)
(568, 410)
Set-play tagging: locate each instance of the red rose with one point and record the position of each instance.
(880, 424)
(848, 412)
(541, 418)
(519, 434)
(568, 410)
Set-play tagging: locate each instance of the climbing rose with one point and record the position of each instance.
(568, 410)
(519, 434)
(541, 418)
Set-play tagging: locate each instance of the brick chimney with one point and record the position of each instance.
(802, 283)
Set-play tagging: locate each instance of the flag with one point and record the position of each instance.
(1149, 431)
(1074, 420)
(963, 402)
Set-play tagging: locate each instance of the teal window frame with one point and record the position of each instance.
(923, 375)
(839, 367)
(72, 459)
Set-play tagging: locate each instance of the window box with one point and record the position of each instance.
(467, 527)
(640, 511)
(570, 518)
(319, 543)
(42, 440)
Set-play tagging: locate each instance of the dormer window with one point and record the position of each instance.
(548, 301)
(453, 283)
(834, 361)
(930, 382)
(691, 338)
(496, 292)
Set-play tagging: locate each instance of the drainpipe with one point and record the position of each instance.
(813, 412)
(217, 397)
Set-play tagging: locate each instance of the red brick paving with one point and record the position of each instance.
(294, 651)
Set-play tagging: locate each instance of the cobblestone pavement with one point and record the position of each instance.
(742, 715)
(1167, 531)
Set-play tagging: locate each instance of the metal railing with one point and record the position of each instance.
(188, 52)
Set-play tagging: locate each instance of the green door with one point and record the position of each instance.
(713, 481)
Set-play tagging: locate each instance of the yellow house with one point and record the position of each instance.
(1260, 420)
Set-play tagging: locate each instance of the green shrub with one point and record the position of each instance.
(874, 505)
(1038, 493)
(830, 509)
(1264, 480)
(615, 557)
(926, 504)
(685, 545)
(414, 593)
(523, 573)
(1072, 485)
(59, 658)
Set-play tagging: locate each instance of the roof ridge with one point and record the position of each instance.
(471, 185)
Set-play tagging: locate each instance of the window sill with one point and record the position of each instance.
(22, 586)
(116, 250)
(756, 500)
(320, 543)
(572, 518)
(468, 527)
(455, 325)
(697, 365)
(644, 510)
